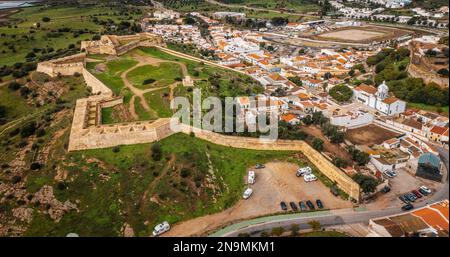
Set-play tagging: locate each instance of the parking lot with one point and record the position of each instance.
(404, 182)
(275, 183)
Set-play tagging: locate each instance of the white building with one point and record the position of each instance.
(166, 14)
(352, 119)
(222, 15)
(379, 99)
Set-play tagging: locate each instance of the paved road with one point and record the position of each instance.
(330, 218)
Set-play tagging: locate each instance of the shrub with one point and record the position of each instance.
(277, 231)
(185, 172)
(35, 166)
(61, 185)
(40, 132)
(156, 152)
(148, 81)
(16, 179)
(14, 86)
(45, 19)
(28, 129)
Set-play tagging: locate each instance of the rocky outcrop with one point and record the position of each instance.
(50, 205)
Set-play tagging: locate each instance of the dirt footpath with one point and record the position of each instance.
(275, 183)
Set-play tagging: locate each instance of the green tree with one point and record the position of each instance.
(341, 93)
(317, 144)
(368, 184)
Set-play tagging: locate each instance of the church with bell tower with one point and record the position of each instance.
(378, 98)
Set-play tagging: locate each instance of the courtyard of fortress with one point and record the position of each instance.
(88, 131)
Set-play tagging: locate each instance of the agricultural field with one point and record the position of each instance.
(206, 7)
(301, 6)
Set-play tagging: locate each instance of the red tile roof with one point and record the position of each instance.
(438, 130)
(368, 89)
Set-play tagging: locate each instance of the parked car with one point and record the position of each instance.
(161, 228)
(424, 190)
(403, 199)
(319, 204)
(293, 206)
(407, 207)
(260, 166)
(283, 206)
(303, 171)
(247, 193)
(386, 189)
(388, 174)
(302, 206)
(410, 196)
(394, 173)
(310, 178)
(251, 177)
(310, 205)
(416, 193)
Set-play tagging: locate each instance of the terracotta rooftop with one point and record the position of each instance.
(390, 100)
(368, 89)
(439, 130)
(433, 217)
(288, 117)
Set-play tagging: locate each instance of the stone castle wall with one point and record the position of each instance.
(326, 167)
(95, 84)
(118, 45)
(146, 132)
(105, 136)
(66, 66)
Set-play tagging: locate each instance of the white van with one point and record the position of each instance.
(251, 177)
(303, 171)
(161, 228)
(310, 177)
(248, 192)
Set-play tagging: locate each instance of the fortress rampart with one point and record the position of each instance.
(66, 66)
(87, 132)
